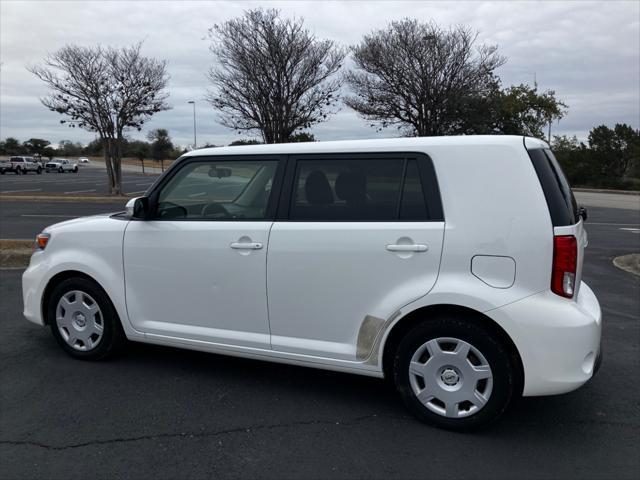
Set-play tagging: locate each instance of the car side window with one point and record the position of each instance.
(358, 190)
(236, 190)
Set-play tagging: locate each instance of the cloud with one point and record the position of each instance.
(588, 52)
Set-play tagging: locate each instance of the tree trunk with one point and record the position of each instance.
(142, 161)
(114, 168)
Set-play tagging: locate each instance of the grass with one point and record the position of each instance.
(15, 253)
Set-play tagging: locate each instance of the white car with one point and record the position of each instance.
(450, 265)
(83, 160)
(61, 165)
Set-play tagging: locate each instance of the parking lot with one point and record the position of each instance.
(166, 413)
(90, 180)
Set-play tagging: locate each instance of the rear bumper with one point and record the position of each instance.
(558, 339)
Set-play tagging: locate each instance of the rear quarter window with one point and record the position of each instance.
(557, 192)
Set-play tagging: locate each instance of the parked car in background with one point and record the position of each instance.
(61, 165)
(83, 160)
(410, 258)
(24, 165)
(5, 166)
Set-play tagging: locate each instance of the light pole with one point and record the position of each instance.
(195, 145)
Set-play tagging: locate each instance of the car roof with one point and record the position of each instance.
(397, 144)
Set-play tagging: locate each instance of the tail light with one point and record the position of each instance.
(565, 260)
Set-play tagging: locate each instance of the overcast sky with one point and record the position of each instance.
(588, 52)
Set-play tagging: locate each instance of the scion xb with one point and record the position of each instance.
(451, 266)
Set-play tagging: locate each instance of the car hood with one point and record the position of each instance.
(80, 223)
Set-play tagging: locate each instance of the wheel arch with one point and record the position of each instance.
(424, 314)
(61, 277)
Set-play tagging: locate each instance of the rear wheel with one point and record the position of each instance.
(83, 320)
(75, 169)
(39, 170)
(18, 170)
(453, 374)
(60, 170)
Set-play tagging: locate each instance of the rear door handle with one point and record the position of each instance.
(246, 245)
(407, 248)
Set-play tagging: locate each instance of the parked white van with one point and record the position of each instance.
(449, 265)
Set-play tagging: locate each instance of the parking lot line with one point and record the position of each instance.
(48, 216)
(16, 191)
(141, 191)
(81, 191)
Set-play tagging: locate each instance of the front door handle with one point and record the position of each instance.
(407, 248)
(246, 245)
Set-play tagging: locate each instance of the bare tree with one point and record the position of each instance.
(418, 76)
(272, 76)
(107, 91)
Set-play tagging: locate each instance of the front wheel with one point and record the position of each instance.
(83, 320)
(75, 170)
(60, 170)
(453, 374)
(18, 171)
(39, 170)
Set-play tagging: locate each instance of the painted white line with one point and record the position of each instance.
(15, 191)
(613, 224)
(632, 230)
(141, 184)
(80, 191)
(141, 191)
(49, 216)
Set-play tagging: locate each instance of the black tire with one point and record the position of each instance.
(75, 170)
(60, 170)
(39, 171)
(18, 170)
(2, 172)
(502, 370)
(113, 337)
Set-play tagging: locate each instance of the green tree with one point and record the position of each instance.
(36, 146)
(11, 146)
(523, 110)
(615, 150)
(576, 160)
(302, 137)
(245, 141)
(161, 145)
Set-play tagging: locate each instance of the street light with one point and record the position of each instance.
(194, 123)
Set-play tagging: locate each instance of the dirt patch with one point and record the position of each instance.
(15, 253)
(629, 263)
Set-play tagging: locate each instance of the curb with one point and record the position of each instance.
(604, 190)
(65, 198)
(629, 263)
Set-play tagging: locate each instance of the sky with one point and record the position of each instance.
(588, 52)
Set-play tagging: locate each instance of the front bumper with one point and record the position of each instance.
(33, 285)
(558, 339)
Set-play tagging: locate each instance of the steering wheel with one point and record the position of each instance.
(214, 210)
(171, 210)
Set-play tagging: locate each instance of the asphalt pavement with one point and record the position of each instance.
(90, 180)
(158, 412)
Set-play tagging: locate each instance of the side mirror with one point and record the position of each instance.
(138, 207)
(582, 212)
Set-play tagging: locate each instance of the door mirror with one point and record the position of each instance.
(582, 212)
(219, 172)
(138, 207)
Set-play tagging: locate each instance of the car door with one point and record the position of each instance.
(197, 268)
(360, 238)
